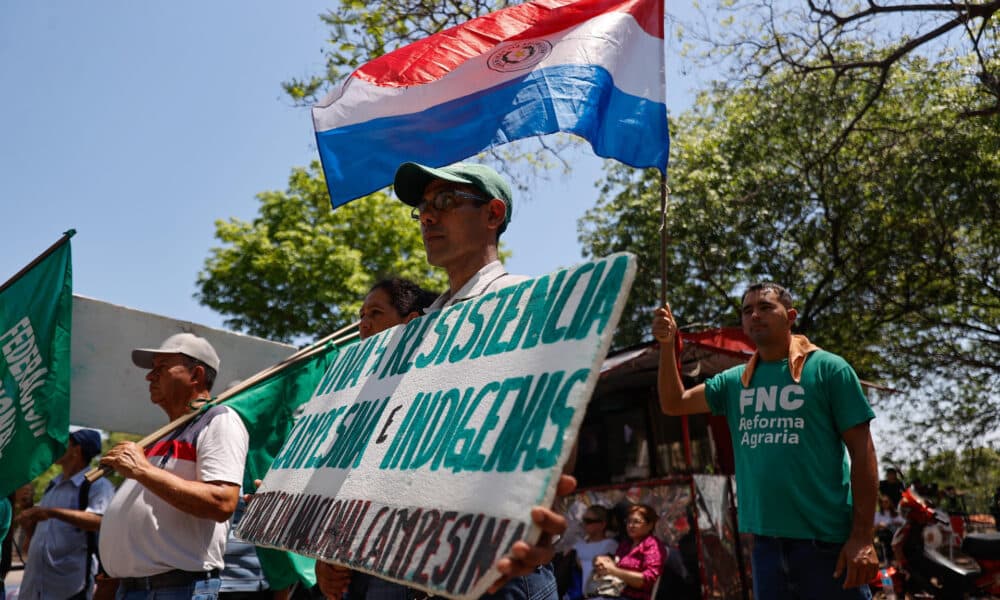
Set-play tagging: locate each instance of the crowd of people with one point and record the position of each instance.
(796, 413)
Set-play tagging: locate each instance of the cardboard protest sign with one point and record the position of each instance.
(424, 448)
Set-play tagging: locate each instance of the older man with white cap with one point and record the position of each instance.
(164, 534)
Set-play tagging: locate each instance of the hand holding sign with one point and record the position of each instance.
(524, 557)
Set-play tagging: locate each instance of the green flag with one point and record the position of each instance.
(268, 411)
(36, 311)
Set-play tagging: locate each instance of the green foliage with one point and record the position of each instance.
(301, 269)
(890, 243)
(859, 43)
(975, 473)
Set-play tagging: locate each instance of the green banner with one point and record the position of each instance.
(268, 410)
(36, 311)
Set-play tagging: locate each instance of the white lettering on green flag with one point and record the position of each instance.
(423, 448)
(35, 322)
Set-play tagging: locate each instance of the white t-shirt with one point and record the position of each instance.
(586, 552)
(887, 520)
(142, 535)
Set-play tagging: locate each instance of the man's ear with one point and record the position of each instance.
(497, 212)
(792, 313)
(198, 374)
(410, 317)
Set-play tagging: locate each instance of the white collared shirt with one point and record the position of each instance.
(490, 278)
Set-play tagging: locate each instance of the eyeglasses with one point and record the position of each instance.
(635, 522)
(443, 201)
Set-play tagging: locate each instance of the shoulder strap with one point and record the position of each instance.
(82, 502)
(84, 498)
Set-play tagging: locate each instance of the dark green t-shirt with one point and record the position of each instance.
(5, 517)
(792, 469)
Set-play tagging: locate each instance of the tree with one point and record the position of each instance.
(891, 244)
(857, 47)
(975, 473)
(302, 269)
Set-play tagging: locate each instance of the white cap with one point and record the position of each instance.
(187, 344)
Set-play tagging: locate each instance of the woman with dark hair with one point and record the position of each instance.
(639, 558)
(392, 302)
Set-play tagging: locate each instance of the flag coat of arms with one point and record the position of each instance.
(36, 311)
(594, 68)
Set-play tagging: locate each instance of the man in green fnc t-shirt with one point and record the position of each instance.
(795, 413)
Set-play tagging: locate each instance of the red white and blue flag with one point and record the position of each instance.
(594, 68)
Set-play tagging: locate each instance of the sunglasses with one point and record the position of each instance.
(445, 200)
(591, 520)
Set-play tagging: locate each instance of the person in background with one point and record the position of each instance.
(242, 577)
(392, 302)
(62, 560)
(595, 541)
(952, 501)
(892, 486)
(995, 508)
(887, 521)
(639, 558)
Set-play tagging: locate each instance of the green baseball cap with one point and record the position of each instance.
(412, 178)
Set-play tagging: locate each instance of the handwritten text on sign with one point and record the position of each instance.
(425, 447)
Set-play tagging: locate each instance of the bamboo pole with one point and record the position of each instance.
(340, 336)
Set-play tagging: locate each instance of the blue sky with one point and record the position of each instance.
(141, 124)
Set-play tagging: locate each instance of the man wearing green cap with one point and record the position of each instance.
(463, 209)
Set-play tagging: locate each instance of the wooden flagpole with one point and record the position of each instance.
(340, 336)
(663, 237)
